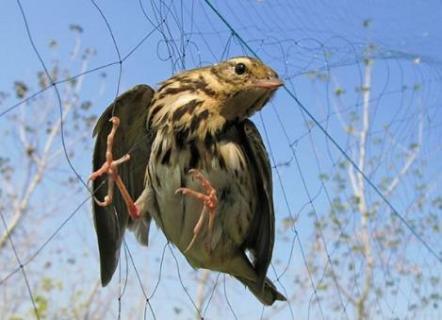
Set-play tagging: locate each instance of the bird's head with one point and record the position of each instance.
(243, 86)
(208, 97)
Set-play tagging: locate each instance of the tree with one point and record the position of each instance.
(29, 172)
(371, 259)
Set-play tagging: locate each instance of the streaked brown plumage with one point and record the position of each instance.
(196, 120)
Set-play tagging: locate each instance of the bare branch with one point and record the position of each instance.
(411, 158)
(200, 292)
(31, 183)
(361, 301)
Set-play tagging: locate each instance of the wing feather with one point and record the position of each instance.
(131, 137)
(261, 236)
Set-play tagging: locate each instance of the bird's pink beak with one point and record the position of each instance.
(268, 83)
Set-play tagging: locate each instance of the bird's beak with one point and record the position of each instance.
(268, 83)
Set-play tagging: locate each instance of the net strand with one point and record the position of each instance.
(22, 268)
(334, 142)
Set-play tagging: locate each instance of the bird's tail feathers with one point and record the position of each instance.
(267, 294)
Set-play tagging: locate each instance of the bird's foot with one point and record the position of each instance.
(209, 200)
(110, 167)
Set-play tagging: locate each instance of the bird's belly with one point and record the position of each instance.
(178, 214)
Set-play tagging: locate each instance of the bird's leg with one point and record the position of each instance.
(110, 167)
(209, 200)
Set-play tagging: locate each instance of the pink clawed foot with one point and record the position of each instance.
(209, 200)
(110, 167)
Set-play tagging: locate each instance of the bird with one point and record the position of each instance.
(187, 156)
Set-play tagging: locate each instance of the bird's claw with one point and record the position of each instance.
(110, 167)
(209, 200)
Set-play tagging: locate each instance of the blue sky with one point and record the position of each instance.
(295, 38)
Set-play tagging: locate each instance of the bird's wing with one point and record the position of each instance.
(261, 236)
(133, 137)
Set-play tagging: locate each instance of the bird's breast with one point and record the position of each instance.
(224, 164)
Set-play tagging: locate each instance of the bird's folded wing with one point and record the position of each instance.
(262, 231)
(133, 137)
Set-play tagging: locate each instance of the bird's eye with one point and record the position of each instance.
(240, 68)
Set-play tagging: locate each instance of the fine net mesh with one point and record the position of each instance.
(353, 139)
